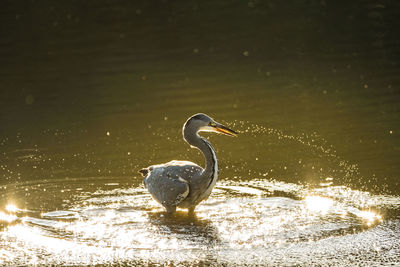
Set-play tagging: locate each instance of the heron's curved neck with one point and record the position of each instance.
(210, 157)
(211, 167)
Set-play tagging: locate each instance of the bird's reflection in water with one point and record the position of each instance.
(186, 225)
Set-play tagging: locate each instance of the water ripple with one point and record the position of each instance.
(259, 221)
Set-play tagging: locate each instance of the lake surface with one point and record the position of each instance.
(91, 92)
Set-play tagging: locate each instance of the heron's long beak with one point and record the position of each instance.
(224, 130)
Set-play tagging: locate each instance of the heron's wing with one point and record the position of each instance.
(167, 189)
(169, 183)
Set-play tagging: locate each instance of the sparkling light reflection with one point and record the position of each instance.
(11, 208)
(123, 225)
(7, 217)
(369, 217)
(318, 204)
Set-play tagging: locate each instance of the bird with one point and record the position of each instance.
(185, 184)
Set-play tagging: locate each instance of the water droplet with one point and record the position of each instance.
(29, 99)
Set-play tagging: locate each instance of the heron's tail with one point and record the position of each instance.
(144, 171)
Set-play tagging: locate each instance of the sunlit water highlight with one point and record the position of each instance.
(247, 220)
(254, 222)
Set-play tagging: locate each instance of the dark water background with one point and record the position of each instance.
(95, 90)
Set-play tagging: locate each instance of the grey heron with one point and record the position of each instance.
(185, 184)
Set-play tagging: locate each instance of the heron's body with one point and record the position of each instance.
(185, 184)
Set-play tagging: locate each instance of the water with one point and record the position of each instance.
(99, 221)
(92, 92)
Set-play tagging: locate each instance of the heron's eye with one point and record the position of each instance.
(212, 124)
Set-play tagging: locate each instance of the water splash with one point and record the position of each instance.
(254, 221)
(292, 157)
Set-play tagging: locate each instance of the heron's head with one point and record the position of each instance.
(202, 123)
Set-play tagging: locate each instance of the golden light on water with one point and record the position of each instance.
(369, 217)
(318, 204)
(323, 205)
(109, 227)
(7, 217)
(11, 208)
